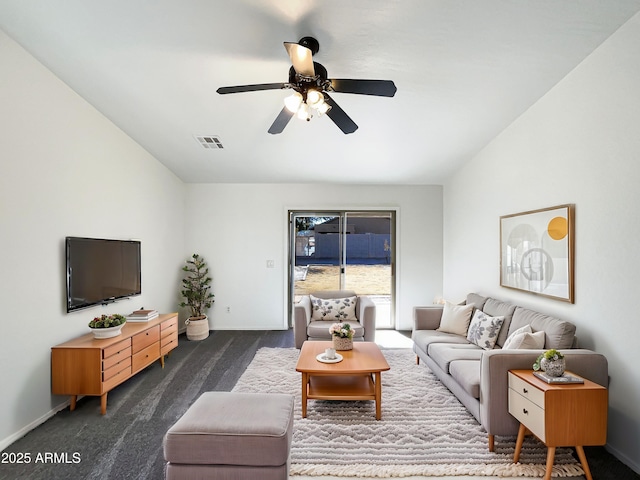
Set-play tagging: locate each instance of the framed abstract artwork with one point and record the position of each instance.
(537, 252)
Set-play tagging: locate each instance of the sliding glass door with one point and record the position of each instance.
(351, 250)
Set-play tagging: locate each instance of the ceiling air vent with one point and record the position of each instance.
(209, 141)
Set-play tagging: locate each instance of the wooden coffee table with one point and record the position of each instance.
(356, 377)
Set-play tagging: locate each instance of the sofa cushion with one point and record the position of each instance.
(558, 333)
(483, 330)
(455, 319)
(320, 329)
(424, 338)
(443, 354)
(476, 300)
(525, 340)
(496, 308)
(467, 374)
(336, 309)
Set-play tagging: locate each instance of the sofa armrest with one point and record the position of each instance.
(301, 318)
(427, 318)
(367, 317)
(494, 382)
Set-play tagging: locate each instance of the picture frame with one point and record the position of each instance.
(537, 252)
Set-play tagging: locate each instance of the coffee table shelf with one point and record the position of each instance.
(356, 377)
(341, 388)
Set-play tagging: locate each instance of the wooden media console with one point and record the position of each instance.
(91, 366)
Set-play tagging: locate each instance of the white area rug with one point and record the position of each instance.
(424, 430)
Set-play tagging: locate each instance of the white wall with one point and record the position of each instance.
(67, 170)
(579, 144)
(237, 228)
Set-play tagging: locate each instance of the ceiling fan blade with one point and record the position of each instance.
(251, 88)
(301, 58)
(339, 116)
(281, 121)
(380, 88)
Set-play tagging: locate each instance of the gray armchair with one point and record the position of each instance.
(306, 328)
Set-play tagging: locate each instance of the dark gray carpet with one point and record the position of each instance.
(126, 443)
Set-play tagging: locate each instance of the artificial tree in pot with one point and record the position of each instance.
(196, 288)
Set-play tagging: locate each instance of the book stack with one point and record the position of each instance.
(566, 378)
(142, 315)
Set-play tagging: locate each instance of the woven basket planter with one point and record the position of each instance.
(197, 329)
(340, 343)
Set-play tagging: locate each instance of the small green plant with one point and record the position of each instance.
(550, 355)
(196, 286)
(106, 321)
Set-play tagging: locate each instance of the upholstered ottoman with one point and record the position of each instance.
(231, 436)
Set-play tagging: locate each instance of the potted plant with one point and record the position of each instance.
(107, 326)
(342, 336)
(196, 288)
(551, 362)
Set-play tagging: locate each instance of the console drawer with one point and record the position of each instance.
(145, 357)
(146, 338)
(110, 372)
(116, 348)
(169, 325)
(117, 357)
(168, 343)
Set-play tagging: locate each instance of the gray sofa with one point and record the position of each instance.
(307, 328)
(478, 377)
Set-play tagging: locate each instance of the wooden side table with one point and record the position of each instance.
(565, 415)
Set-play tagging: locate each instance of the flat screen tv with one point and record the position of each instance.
(101, 271)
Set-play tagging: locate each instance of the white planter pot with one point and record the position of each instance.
(197, 329)
(107, 332)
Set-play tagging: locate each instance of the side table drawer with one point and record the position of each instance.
(527, 413)
(526, 390)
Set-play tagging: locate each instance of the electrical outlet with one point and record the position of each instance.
(228, 309)
(270, 263)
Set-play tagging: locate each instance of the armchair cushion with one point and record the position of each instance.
(335, 309)
(320, 328)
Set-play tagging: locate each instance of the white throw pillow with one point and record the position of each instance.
(455, 318)
(483, 330)
(526, 341)
(525, 329)
(335, 309)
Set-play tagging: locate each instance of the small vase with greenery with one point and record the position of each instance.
(196, 290)
(551, 362)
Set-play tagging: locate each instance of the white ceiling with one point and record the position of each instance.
(464, 69)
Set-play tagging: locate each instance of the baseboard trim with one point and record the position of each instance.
(632, 464)
(5, 442)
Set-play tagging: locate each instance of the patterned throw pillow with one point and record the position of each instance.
(334, 309)
(483, 330)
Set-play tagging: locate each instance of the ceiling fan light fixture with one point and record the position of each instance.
(304, 113)
(293, 102)
(314, 98)
(323, 108)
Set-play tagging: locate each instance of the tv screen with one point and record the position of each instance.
(101, 271)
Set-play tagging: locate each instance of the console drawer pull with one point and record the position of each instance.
(524, 410)
(524, 390)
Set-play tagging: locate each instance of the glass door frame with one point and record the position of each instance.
(343, 215)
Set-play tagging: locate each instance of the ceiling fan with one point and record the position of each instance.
(310, 85)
